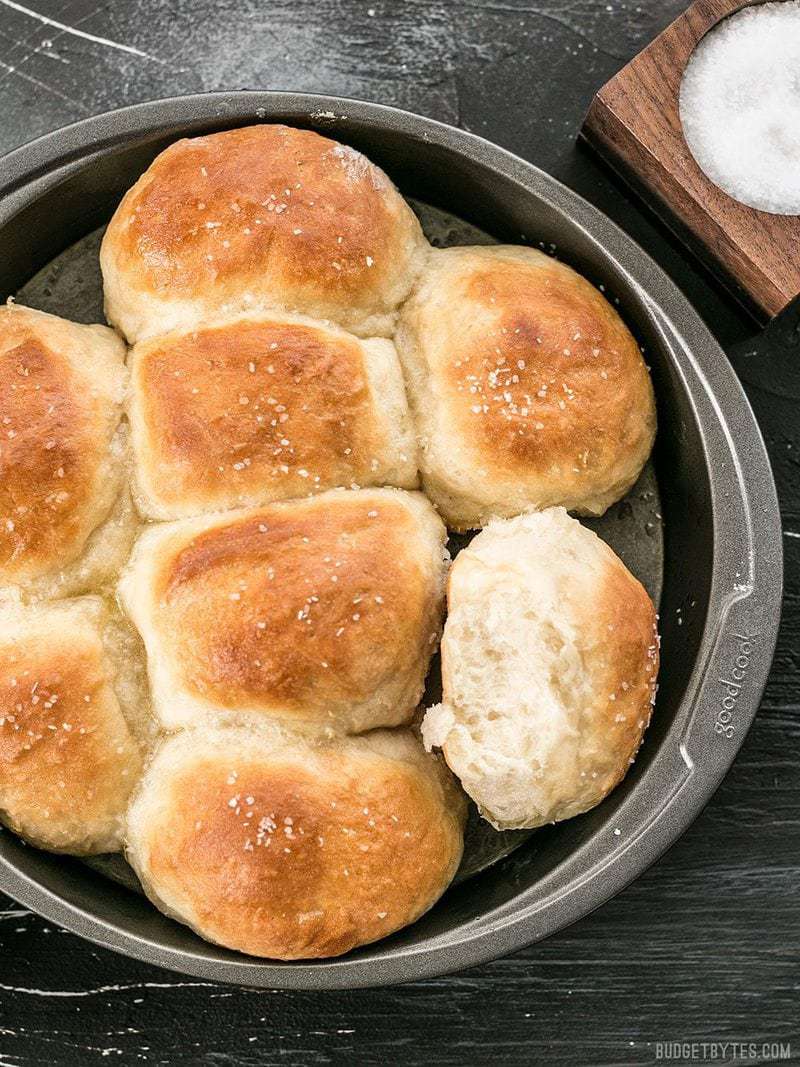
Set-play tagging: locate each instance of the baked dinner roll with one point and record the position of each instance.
(264, 407)
(527, 389)
(549, 664)
(65, 520)
(260, 217)
(265, 843)
(324, 611)
(68, 757)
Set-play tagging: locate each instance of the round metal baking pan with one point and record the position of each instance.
(702, 529)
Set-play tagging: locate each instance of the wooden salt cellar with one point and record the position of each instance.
(634, 123)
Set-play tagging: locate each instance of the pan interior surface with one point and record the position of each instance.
(686, 530)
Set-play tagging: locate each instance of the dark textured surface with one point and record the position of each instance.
(704, 947)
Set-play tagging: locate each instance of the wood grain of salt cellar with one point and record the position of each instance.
(634, 122)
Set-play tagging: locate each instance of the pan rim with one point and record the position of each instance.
(710, 381)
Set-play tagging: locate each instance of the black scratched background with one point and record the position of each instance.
(705, 946)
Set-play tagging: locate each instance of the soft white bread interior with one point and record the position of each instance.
(282, 847)
(66, 523)
(260, 217)
(527, 389)
(549, 664)
(263, 407)
(324, 611)
(72, 724)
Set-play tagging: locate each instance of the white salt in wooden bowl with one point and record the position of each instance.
(705, 124)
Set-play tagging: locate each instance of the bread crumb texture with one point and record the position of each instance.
(549, 665)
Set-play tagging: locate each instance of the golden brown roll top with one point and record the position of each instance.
(282, 613)
(287, 849)
(263, 216)
(528, 390)
(324, 610)
(549, 665)
(68, 759)
(62, 523)
(264, 407)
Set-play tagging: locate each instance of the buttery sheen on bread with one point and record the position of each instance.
(252, 686)
(260, 217)
(324, 611)
(549, 664)
(66, 524)
(290, 848)
(261, 407)
(527, 389)
(70, 703)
